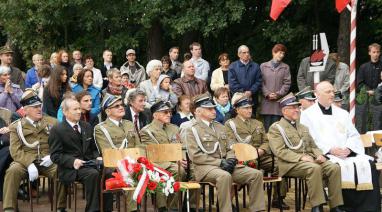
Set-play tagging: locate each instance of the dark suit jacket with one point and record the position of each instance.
(144, 117)
(66, 145)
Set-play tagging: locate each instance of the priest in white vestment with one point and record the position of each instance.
(334, 133)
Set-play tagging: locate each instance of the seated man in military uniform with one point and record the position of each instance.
(306, 98)
(213, 160)
(298, 156)
(30, 151)
(161, 131)
(115, 133)
(244, 129)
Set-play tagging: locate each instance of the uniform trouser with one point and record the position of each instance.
(265, 163)
(241, 175)
(17, 172)
(172, 199)
(314, 174)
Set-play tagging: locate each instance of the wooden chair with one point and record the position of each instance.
(157, 153)
(52, 194)
(110, 158)
(246, 152)
(378, 141)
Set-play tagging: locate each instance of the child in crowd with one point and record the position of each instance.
(163, 91)
(184, 111)
(125, 81)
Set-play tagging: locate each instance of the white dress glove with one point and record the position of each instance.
(33, 172)
(46, 161)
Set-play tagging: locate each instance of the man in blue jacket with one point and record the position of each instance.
(244, 76)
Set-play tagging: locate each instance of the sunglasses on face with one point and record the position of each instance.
(117, 106)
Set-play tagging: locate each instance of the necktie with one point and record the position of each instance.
(75, 127)
(35, 124)
(136, 122)
(212, 127)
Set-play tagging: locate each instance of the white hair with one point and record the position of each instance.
(76, 66)
(151, 65)
(66, 103)
(4, 70)
(240, 49)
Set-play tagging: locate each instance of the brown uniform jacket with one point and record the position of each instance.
(19, 151)
(250, 127)
(117, 135)
(163, 134)
(204, 162)
(288, 158)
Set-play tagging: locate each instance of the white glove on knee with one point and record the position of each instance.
(46, 161)
(33, 172)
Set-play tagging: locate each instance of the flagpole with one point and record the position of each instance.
(353, 36)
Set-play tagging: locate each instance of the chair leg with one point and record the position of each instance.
(75, 197)
(244, 197)
(237, 199)
(203, 192)
(296, 195)
(303, 194)
(38, 190)
(30, 195)
(217, 205)
(269, 195)
(278, 188)
(145, 203)
(210, 198)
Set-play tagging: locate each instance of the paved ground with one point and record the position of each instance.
(44, 204)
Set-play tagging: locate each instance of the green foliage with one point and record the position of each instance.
(220, 25)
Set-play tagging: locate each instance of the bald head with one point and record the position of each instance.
(325, 93)
(188, 68)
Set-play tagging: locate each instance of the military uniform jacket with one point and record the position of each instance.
(250, 131)
(157, 133)
(287, 157)
(20, 152)
(209, 137)
(117, 135)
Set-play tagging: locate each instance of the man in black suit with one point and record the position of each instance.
(135, 109)
(107, 64)
(72, 148)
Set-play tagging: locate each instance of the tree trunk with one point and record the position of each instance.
(155, 47)
(343, 40)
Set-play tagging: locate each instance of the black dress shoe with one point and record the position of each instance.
(195, 210)
(61, 210)
(22, 194)
(318, 209)
(336, 209)
(275, 204)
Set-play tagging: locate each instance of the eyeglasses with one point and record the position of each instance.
(117, 106)
(166, 112)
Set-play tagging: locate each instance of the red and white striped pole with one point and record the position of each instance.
(353, 35)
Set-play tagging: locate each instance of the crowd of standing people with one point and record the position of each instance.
(62, 113)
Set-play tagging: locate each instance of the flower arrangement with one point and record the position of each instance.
(248, 163)
(143, 175)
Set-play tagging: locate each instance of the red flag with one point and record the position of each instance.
(277, 8)
(341, 4)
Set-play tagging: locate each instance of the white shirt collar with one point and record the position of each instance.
(72, 124)
(108, 65)
(183, 115)
(115, 121)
